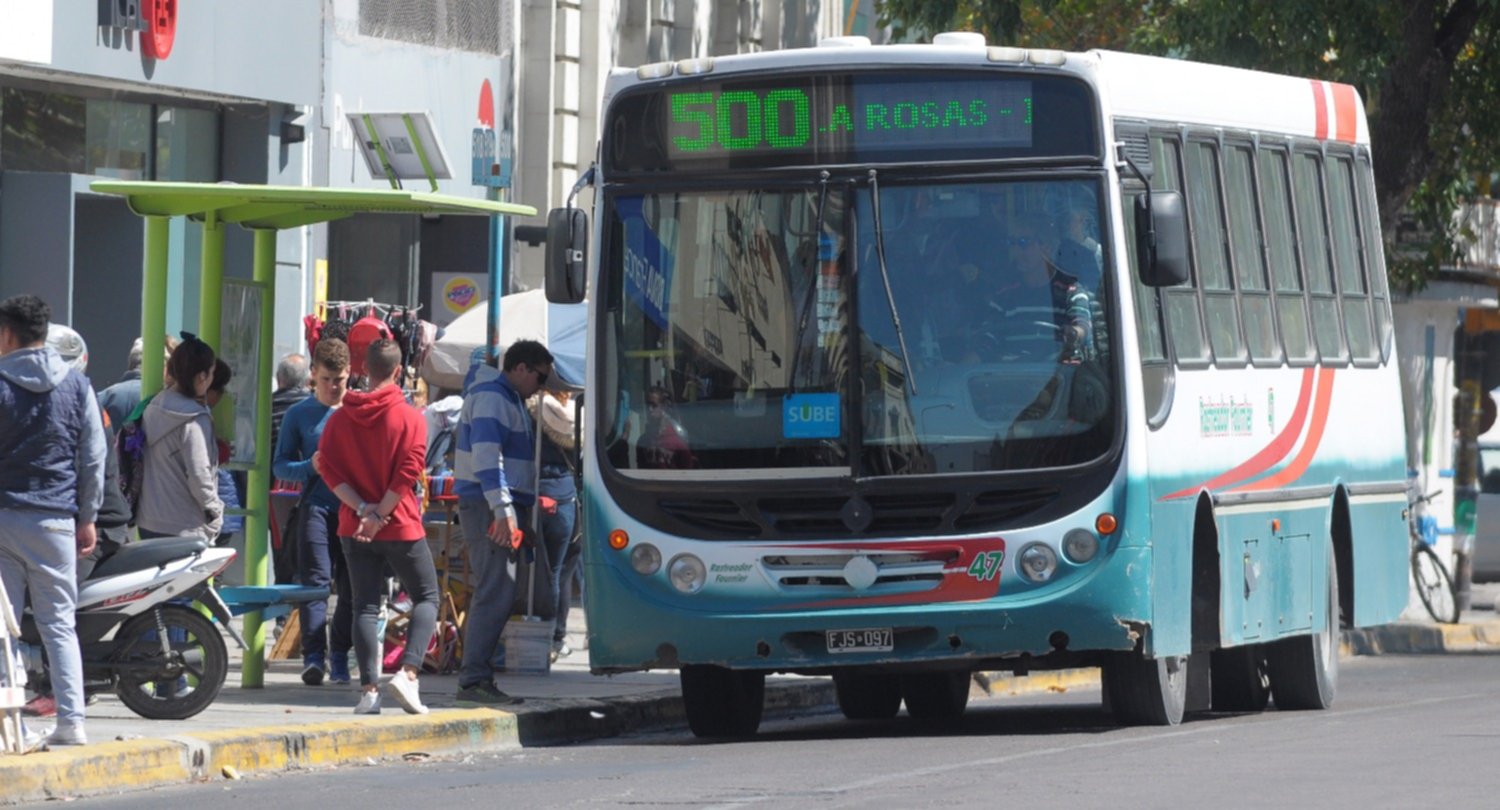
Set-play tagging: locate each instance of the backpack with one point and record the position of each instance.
(130, 447)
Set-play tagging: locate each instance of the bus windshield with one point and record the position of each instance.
(757, 329)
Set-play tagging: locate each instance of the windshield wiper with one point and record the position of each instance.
(812, 287)
(885, 278)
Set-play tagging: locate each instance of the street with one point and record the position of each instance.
(1406, 732)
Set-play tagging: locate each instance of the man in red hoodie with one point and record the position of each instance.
(371, 456)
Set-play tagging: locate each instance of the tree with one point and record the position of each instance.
(1428, 71)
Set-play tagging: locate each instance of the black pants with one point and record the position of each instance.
(412, 562)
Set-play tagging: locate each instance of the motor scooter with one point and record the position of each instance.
(141, 632)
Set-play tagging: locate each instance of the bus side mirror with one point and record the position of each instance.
(1161, 238)
(567, 255)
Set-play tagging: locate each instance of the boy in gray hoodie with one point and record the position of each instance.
(51, 485)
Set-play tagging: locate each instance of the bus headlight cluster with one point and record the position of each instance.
(687, 573)
(1080, 545)
(1037, 562)
(645, 559)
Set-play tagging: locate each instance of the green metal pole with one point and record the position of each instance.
(257, 522)
(211, 293)
(154, 305)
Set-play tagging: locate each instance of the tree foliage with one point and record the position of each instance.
(1428, 70)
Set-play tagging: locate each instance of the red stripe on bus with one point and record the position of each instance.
(1320, 111)
(1344, 120)
(1270, 454)
(1304, 457)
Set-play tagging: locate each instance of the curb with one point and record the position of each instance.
(1417, 638)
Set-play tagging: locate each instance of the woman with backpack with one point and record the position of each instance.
(180, 463)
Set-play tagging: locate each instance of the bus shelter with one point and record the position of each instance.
(263, 210)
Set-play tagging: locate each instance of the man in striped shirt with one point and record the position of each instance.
(495, 480)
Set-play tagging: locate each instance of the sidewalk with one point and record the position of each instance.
(290, 726)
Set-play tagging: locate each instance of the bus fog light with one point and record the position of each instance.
(1038, 562)
(645, 559)
(1080, 545)
(687, 573)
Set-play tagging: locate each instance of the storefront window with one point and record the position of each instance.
(119, 134)
(42, 132)
(126, 140)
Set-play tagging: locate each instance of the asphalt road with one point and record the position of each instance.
(1405, 732)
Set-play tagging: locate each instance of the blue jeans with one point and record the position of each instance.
(320, 562)
(495, 591)
(39, 556)
(557, 531)
(412, 562)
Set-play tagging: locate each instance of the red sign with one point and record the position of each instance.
(161, 27)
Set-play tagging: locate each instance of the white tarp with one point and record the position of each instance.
(561, 328)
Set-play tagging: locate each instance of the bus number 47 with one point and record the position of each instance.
(986, 565)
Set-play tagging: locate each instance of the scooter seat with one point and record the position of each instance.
(147, 554)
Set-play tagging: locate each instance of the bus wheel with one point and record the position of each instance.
(868, 695)
(722, 702)
(1146, 691)
(935, 696)
(1305, 669)
(1238, 679)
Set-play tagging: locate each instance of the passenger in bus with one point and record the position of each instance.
(1035, 302)
(664, 442)
(1078, 252)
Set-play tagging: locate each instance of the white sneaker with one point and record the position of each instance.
(67, 734)
(404, 690)
(369, 703)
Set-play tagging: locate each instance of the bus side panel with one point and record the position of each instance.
(1381, 546)
(1171, 578)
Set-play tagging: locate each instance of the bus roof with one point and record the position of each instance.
(1132, 86)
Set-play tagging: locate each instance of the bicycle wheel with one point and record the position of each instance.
(1434, 586)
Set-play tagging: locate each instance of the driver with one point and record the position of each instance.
(1030, 282)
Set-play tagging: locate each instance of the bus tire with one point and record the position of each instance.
(1305, 669)
(722, 702)
(935, 696)
(1146, 691)
(867, 695)
(1238, 679)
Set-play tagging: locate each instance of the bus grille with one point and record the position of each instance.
(823, 572)
(884, 515)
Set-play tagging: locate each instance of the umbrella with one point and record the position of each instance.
(525, 315)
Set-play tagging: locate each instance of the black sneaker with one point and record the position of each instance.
(312, 670)
(484, 693)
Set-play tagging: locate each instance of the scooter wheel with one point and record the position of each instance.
(179, 683)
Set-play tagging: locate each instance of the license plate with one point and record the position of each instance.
(877, 639)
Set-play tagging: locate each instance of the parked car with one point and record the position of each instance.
(1487, 523)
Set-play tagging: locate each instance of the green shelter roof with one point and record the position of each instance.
(277, 207)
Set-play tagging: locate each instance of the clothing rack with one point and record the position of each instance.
(369, 306)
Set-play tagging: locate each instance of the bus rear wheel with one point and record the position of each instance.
(722, 702)
(868, 695)
(935, 696)
(1305, 669)
(1146, 691)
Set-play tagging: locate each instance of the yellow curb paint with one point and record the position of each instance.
(99, 768)
(1004, 683)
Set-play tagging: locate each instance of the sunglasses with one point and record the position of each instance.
(541, 375)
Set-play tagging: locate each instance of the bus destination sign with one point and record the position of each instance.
(851, 118)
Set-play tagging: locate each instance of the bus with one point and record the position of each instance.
(912, 361)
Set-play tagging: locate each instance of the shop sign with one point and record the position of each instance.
(155, 20)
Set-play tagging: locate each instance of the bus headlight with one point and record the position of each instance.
(687, 573)
(1080, 545)
(1038, 562)
(645, 559)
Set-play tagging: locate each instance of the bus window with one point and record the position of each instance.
(1291, 305)
(1184, 319)
(1374, 257)
(1352, 292)
(1206, 219)
(1249, 266)
(1312, 231)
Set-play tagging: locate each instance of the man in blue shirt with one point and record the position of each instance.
(495, 479)
(320, 558)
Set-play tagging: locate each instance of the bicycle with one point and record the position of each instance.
(1434, 585)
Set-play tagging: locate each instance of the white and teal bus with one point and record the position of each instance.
(913, 361)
